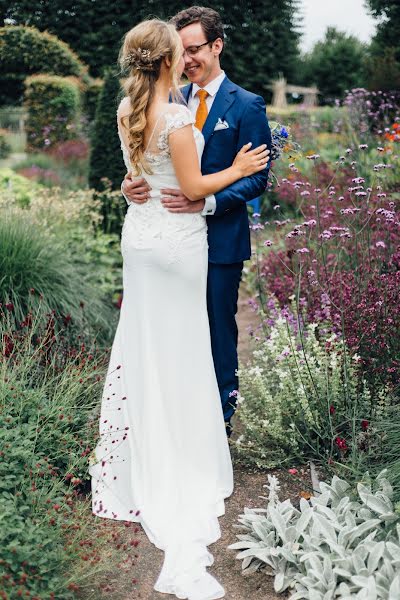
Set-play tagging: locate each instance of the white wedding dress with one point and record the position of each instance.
(163, 449)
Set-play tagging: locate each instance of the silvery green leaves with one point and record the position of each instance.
(343, 543)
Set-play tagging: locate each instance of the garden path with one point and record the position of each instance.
(13, 159)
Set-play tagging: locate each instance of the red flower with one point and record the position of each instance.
(332, 409)
(341, 443)
(118, 303)
(8, 345)
(364, 424)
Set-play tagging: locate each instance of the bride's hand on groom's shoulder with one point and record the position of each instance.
(175, 201)
(136, 190)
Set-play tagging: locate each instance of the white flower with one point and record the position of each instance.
(256, 371)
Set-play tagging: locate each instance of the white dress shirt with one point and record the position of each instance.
(193, 102)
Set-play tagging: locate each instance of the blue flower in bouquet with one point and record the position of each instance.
(281, 141)
(284, 132)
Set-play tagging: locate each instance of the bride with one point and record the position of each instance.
(163, 458)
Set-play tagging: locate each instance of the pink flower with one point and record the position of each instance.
(293, 471)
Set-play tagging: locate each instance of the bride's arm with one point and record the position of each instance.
(196, 186)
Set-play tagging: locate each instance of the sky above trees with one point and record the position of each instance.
(350, 16)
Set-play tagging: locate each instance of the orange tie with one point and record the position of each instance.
(202, 110)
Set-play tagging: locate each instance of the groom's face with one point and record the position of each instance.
(203, 66)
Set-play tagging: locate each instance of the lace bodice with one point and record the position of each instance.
(157, 151)
(150, 224)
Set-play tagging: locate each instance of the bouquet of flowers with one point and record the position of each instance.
(282, 141)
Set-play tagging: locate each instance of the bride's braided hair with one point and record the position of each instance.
(144, 48)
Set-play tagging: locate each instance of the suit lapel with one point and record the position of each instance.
(222, 101)
(186, 91)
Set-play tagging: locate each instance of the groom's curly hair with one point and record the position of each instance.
(210, 20)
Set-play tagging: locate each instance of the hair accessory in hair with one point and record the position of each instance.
(139, 59)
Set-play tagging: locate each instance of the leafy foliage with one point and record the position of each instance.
(5, 147)
(106, 162)
(340, 544)
(383, 70)
(388, 29)
(298, 395)
(51, 544)
(53, 107)
(267, 30)
(336, 64)
(26, 51)
(50, 240)
(37, 264)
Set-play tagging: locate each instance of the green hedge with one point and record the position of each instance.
(53, 106)
(91, 97)
(25, 51)
(5, 148)
(106, 159)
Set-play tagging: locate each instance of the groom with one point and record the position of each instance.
(229, 117)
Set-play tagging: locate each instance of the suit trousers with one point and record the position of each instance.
(222, 298)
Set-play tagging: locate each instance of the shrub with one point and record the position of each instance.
(91, 97)
(5, 148)
(51, 545)
(37, 267)
(15, 188)
(342, 256)
(300, 397)
(26, 51)
(73, 218)
(53, 105)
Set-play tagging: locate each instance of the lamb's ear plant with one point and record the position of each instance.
(343, 543)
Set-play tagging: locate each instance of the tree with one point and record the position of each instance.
(384, 71)
(335, 64)
(384, 66)
(388, 30)
(261, 36)
(106, 168)
(106, 157)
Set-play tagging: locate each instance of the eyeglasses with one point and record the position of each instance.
(193, 50)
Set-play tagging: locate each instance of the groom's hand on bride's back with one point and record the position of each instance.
(135, 190)
(175, 201)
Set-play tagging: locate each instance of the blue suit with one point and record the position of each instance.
(228, 228)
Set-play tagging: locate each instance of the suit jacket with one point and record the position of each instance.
(228, 228)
